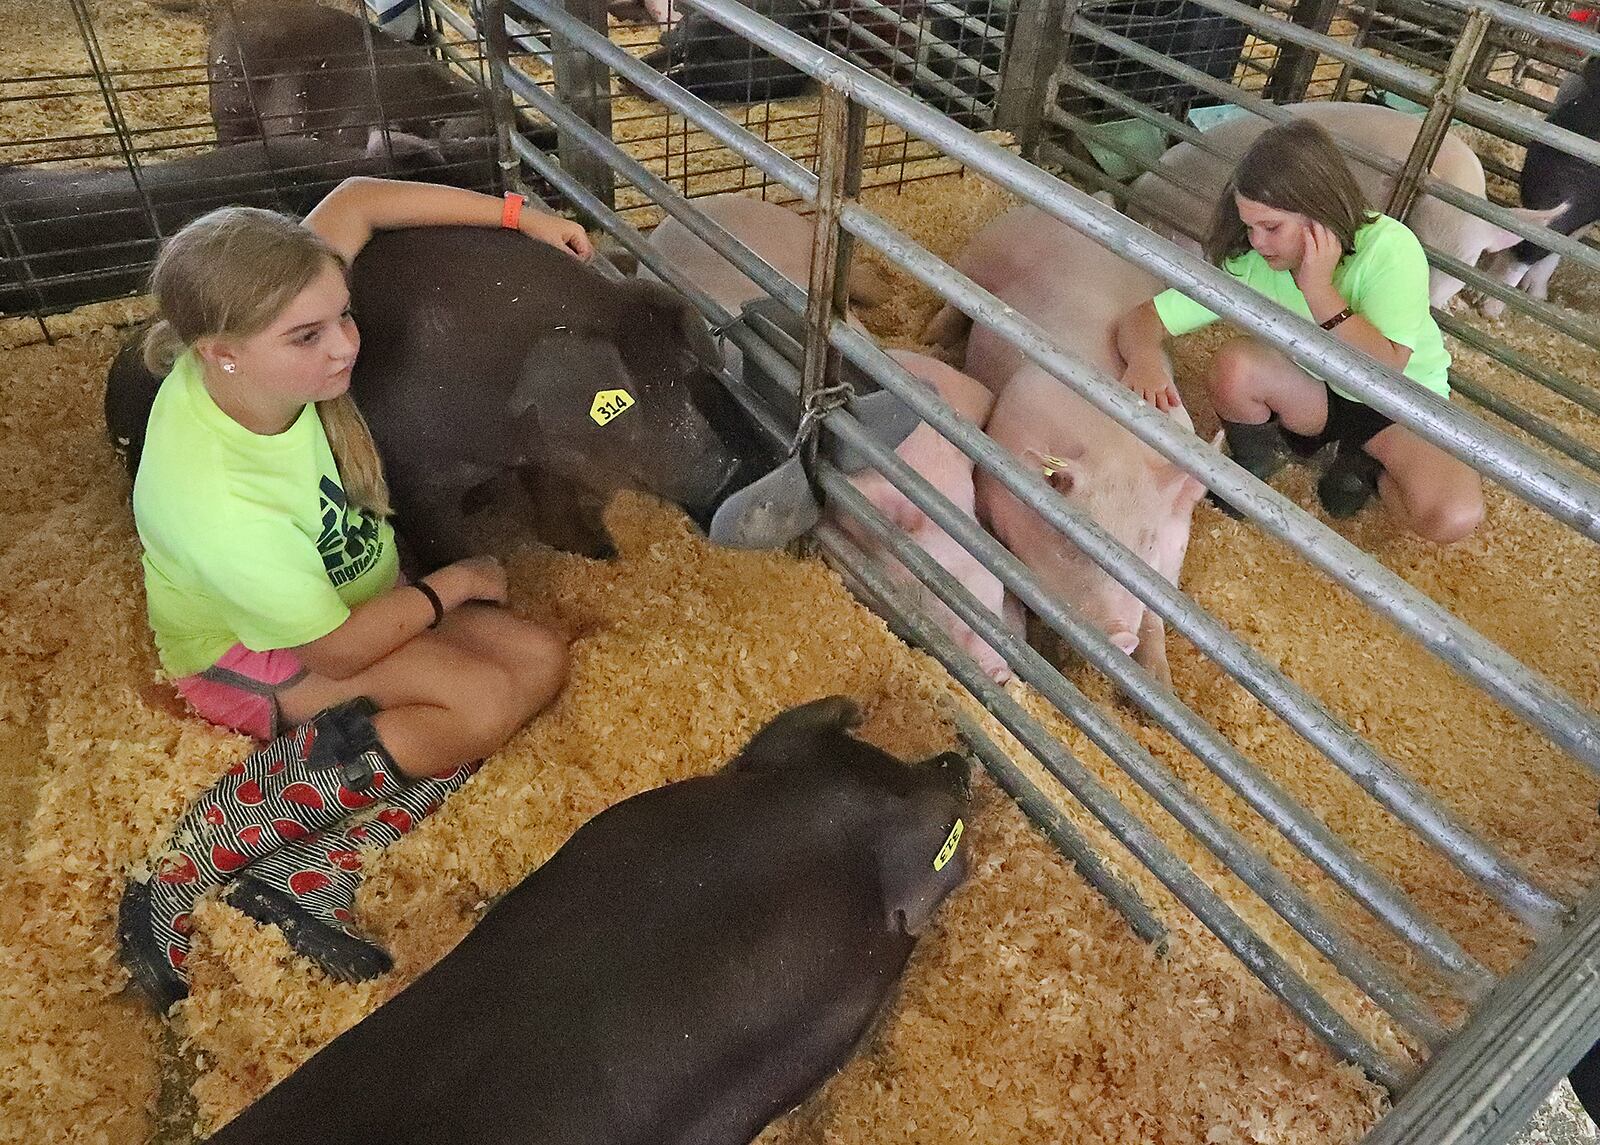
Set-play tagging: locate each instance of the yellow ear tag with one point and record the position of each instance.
(608, 404)
(951, 842)
(1051, 465)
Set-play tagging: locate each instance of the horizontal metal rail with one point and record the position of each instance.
(1513, 16)
(1043, 813)
(1254, 952)
(1174, 797)
(1348, 870)
(1534, 1028)
(1359, 571)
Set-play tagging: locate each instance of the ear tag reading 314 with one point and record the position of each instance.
(951, 842)
(608, 404)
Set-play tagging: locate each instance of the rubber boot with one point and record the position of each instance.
(1260, 449)
(1350, 482)
(307, 889)
(295, 786)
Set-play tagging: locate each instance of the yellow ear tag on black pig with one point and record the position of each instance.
(951, 842)
(608, 404)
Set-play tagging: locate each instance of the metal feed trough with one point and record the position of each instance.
(1054, 73)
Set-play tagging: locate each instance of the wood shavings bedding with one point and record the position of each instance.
(1030, 1014)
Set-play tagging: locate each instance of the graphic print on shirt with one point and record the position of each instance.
(349, 536)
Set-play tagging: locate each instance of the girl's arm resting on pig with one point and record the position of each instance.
(1141, 340)
(360, 206)
(379, 626)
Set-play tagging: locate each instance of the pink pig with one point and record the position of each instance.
(1075, 289)
(950, 471)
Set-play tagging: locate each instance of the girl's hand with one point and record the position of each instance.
(558, 232)
(476, 578)
(1319, 255)
(1154, 384)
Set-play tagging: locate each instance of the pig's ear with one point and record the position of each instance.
(799, 734)
(1502, 239)
(562, 377)
(922, 857)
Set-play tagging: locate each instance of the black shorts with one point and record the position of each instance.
(1350, 423)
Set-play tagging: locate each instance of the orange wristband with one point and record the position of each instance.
(512, 210)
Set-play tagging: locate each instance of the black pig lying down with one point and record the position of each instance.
(693, 962)
(84, 235)
(484, 352)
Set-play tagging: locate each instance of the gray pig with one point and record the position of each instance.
(84, 234)
(1551, 180)
(693, 962)
(485, 352)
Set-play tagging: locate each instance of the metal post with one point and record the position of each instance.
(497, 50)
(841, 129)
(1038, 44)
(1430, 137)
(1292, 71)
(583, 83)
(377, 95)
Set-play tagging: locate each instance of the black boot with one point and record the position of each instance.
(307, 889)
(1350, 481)
(281, 794)
(1260, 449)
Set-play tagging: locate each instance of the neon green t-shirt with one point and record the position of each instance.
(247, 538)
(1385, 280)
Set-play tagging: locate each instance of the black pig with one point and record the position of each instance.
(693, 962)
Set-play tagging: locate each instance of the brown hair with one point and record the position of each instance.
(1295, 166)
(231, 272)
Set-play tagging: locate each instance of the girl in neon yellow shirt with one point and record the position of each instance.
(274, 590)
(1293, 225)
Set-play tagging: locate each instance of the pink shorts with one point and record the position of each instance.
(240, 691)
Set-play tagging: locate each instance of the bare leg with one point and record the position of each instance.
(452, 695)
(1433, 494)
(1250, 381)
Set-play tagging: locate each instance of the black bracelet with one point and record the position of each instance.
(1338, 318)
(426, 590)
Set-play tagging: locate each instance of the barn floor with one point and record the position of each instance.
(1030, 1014)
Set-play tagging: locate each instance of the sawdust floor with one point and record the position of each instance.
(1030, 1014)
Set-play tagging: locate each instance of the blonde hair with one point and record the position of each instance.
(1295, 166)
(230, 273)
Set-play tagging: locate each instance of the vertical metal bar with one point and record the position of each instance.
(377, 96)
(841, 131)
(1430, 137)
(497, 50)
(232, 15)
(108, 94)
(1038, 44)
(1292, 70)
(583, 83)
(24, 270)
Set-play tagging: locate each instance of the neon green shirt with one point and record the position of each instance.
(247, 538)
(1385, 280)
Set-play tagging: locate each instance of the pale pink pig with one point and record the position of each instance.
(1076, 290)
(950, 472)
